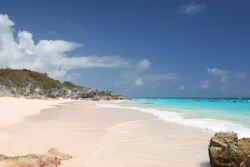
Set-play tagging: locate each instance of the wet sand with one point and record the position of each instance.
(101, 137)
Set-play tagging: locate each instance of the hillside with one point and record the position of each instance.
(30, 84)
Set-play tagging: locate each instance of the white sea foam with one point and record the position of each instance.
(110, 105)
(215, 125)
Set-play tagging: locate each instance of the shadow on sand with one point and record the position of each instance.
(205, 164)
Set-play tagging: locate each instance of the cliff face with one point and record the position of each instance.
(34, 85)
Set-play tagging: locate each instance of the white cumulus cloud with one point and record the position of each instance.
(192, 8)
(50, 55)
(138, 82)
(143, 64)
(217, 72)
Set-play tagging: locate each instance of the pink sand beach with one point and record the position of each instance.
(97, 136)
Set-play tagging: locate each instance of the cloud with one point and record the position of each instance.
(173, 77)
(50, 55)
(149, 79)
(51, 32)
(5, 22)
(143, 64)
(182, 87)
(217, 72)
(92, 61)
(241, 75)
(194, 87)
(204, 84)
(138, 82)
(192, 8)
(140, 74)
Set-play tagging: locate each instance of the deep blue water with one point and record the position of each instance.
(213, 114)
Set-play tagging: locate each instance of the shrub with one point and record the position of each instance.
(31, 88)
(13, 85)
(7, 82)
(70, 85)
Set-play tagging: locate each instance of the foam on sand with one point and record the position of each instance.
(215, 125)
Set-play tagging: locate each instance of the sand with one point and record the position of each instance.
(99, 137)
(13, 110)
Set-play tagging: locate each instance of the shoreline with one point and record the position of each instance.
(98, 136)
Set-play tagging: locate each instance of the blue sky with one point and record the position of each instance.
(142, 48)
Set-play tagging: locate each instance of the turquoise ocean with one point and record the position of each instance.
(213, 114)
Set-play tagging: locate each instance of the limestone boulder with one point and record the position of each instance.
(25, 91)
(96, 98)
(54, 94)
(5, 92)
(38, 91)
(50, 159)
(226, 150)
(58, 154)
(66, 94)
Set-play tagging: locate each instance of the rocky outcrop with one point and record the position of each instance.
(50, 159)
(60, 155)
(37, 93)
(5, 92)
(226, 150)
(35, 85)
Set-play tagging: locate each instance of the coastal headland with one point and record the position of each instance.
(34, 85)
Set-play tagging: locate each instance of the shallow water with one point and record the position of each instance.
(212, 114)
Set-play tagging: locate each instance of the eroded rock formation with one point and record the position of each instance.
(50, 159)
(226, 150)
(35, 85)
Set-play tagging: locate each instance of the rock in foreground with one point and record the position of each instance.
(226, 150)
(50, 159)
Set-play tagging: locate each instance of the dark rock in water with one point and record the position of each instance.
(217, 100)
(239, 101)
(226, 150)
(195, 100)
(50, 159)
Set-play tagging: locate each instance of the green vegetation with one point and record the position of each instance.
(12, 78)
(70, 85)
(13, 85)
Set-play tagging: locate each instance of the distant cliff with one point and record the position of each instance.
(35, 85)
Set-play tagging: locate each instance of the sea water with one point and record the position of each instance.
(213, 114)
